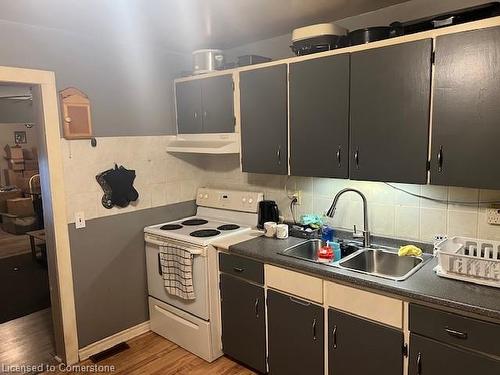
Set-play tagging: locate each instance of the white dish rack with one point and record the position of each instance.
(469, 259)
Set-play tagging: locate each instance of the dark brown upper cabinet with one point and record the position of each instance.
(264, 120)
(319, 117)
(205, 105)
(389, 110)
(466, 110)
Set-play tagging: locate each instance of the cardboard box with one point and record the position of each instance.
(4, 195)
(13, 152)
(23, 183)
(21, 207)
(30, 165)
(16, 164)
(19, 225)
(11, 177)
(28, 173)
(29, 154)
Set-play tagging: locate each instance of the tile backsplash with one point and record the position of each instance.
(160, 177)
(392, 210)
(163, 179)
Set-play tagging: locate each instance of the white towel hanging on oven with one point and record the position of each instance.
(177, 271)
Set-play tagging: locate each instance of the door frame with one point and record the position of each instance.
(53, 194)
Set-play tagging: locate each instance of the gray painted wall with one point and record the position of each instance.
(109, 270)
(129, 85)
(15, 111)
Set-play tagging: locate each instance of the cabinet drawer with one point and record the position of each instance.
(242, 267)
(295, 283)
(369, 305)
(455, 329)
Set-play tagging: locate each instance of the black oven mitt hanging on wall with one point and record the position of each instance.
(118, 186)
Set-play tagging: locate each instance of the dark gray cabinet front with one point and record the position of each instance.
(263, 109)
(218, 103)
(295, 337)
(319, 117)
(429, 357)
(205, 105)
(389, 109)
(358, 346)
(466, 110)
(243, 322)
(189, 111)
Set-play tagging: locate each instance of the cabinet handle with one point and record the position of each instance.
(256, 307)
(314, 329)
(440, 159)
(338, 156)
(159, 265)
(278, 154)
(356, 158)
(195, 114)
(300, 302)
(237, 269)
(457, 334)
(204, 113)
(419, 364)
(334, 336)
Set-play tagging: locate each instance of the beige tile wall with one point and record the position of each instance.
(160, 177)
(391, 212)
(163, 178)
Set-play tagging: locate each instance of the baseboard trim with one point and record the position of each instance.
(109, 342)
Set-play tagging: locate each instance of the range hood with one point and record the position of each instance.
(227, 143)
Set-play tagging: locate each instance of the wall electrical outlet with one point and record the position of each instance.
(440, 237)
(79, 220)
(493, 215)
(298, 195)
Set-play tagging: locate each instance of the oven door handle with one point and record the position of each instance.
(190, 249)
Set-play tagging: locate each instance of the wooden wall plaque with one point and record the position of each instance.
(75, 108)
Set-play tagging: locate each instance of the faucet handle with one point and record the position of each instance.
(355, 233)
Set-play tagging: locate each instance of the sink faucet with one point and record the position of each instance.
(333, 207)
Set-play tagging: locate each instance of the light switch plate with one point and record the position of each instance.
(79, 220)
(493, 216)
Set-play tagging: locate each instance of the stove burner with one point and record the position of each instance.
(228, 227)
(171, 227)
(194, 222)
(204, 233)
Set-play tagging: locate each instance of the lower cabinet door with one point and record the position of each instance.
(243, 322)
(295, 338)
(429, 357)
(360, 347)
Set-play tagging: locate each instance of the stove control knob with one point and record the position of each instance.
(200, 195)
(206, 196)
(243, 199)
(250, 200)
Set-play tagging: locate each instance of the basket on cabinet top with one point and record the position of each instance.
(469, 259)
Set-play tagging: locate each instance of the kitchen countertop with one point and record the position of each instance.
(424, 285)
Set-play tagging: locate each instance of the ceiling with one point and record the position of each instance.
(183, 25)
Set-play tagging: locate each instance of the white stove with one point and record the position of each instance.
(199, 230)
(195, 324)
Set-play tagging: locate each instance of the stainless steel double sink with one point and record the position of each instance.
(376, 261)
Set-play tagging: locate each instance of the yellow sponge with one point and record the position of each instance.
(409, 250)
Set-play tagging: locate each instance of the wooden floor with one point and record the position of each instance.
(27, 340)
(152, 354)
(12, 244)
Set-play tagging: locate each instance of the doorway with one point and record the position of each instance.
(37, 314)
(24, 281)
